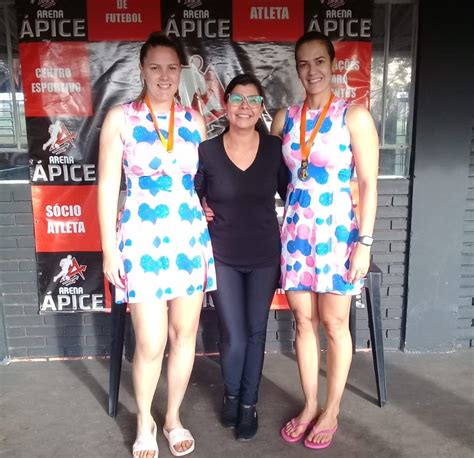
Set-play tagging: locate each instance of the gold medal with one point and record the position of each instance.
(303, 171)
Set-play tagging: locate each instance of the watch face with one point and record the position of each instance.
(366, 240)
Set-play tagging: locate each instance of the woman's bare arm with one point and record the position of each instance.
(110, 172)
(365, 147)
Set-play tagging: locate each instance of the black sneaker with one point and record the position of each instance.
(230, 412)
(248, 423)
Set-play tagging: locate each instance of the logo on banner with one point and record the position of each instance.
(62, 169)
(335, 3)
(63, 161)
(193, 21)
(46, 22)
(66, 288)
(45, 3)
(202, 89)
(61, 139)
(191, 3)
(70, 271)
(339, 20)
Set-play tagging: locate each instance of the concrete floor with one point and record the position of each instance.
(58, 409)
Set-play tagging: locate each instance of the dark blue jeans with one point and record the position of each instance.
(242, 302)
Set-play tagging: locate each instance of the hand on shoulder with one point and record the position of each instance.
(278, 123)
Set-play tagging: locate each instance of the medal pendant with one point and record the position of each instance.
(303, 171)
(303, 174)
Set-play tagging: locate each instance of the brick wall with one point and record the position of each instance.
(31, 335)
(465, 331)
(389, 253)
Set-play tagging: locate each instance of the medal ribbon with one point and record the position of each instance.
(306, 146)
(167, 144)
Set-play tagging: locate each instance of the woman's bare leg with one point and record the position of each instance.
(304, 305)
(184, 313)
(150, 324)
(334, 314)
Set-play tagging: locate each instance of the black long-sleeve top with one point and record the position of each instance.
(245, 230)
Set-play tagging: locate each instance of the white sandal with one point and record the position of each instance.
(146, 442)
(177, 435)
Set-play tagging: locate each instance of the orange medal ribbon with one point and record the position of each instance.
(306, 146)
(167, 144)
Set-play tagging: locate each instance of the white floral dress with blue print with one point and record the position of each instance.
(163, 236)
(320, 228)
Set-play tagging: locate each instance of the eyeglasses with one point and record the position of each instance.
(253, 100)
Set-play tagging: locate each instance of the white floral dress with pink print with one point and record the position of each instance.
(163, 236)
(319, 228)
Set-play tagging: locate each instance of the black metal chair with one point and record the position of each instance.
(372, 288)
(118, 317)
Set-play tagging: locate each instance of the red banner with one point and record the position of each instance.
(257, 20)
(56, 79)
(351, 72)
(65, 218)
(122, 20)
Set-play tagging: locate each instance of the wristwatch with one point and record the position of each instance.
(366, 240)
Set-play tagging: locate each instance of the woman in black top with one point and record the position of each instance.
(239, 173)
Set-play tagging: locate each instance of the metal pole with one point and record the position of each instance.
(16, 115)
(386, 48)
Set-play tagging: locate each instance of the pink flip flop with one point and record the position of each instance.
(295, 423)
(313, 446)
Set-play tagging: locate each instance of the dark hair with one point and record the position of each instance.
(244, 79)
(154, 40)
(315, 36)
(160, 39)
